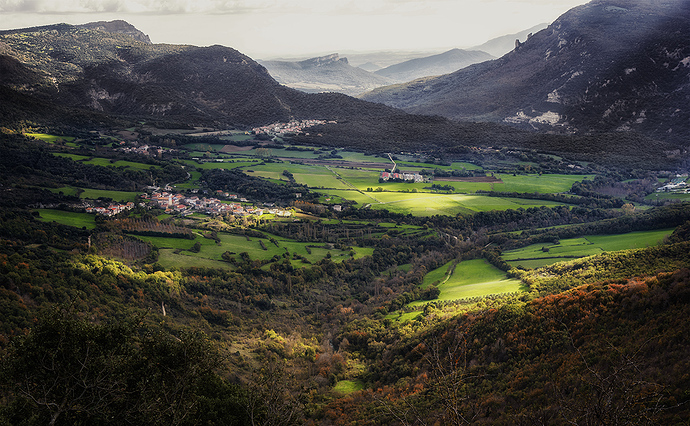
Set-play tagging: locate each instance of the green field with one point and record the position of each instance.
(78, 220)
(314, 176)
(544, 184)
(232, 164)
(65, 190)
(536, 255)
(668, 196)
(470, 278)
(53, 138)
(75, 157)
(428, 204)
(106, 162)
(450, 204)
(119, 196)
(348, 386)
(212, 251)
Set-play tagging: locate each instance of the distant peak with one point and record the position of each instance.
(119, 27)
(324, 60)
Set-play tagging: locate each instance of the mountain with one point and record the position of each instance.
(609, 65)
(329, 73)
(118, 27)
(443, 63)
(499, 46)
(66, 66)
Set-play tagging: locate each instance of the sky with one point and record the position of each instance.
(265, 29)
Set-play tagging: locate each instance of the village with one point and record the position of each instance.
(176, 203)
(406, 177)
(677, 184)
(294, 126)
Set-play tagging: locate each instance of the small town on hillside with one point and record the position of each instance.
(294, 126)
(185, 205)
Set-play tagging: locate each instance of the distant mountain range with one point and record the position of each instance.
(329, 73)
(337, 74)
(442, 63)
(332, 73)
(609, 65)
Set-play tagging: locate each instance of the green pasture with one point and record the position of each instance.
(360, 198)
(237, 244)
(413, 165)
(429, 204)
(346, 387)
(543, 184)
(553, 183)
(538, 255)
(119, 196)
(106, 162)
(284, 153)
(450, 204)
(360, 157)
(471, 278)
(74, 157)
(234, 164)
(314, 176)
(237, 137)
(192, 182)
(668, 196)
(320, 179)
(438, 275)
(168, 259)
(66, 190)
(78, 220)
(53, 138)
(203, 147)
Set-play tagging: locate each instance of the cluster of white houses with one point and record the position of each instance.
(111, 210)
(178, 203)
(294, 126)
(142, 150)
(407, 177)
(677, 184)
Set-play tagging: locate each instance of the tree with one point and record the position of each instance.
(271, 398)
(68, 371)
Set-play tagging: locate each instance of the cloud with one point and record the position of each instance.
(348, 7)
(147, 6)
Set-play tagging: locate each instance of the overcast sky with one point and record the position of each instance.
(268, 28)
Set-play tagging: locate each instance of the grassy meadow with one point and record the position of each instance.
(469, 278)
(537, 255)
(52, 139)
(78, 220)
(175, 251)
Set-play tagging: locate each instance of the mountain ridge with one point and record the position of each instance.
(443, 63)
(588, 71)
